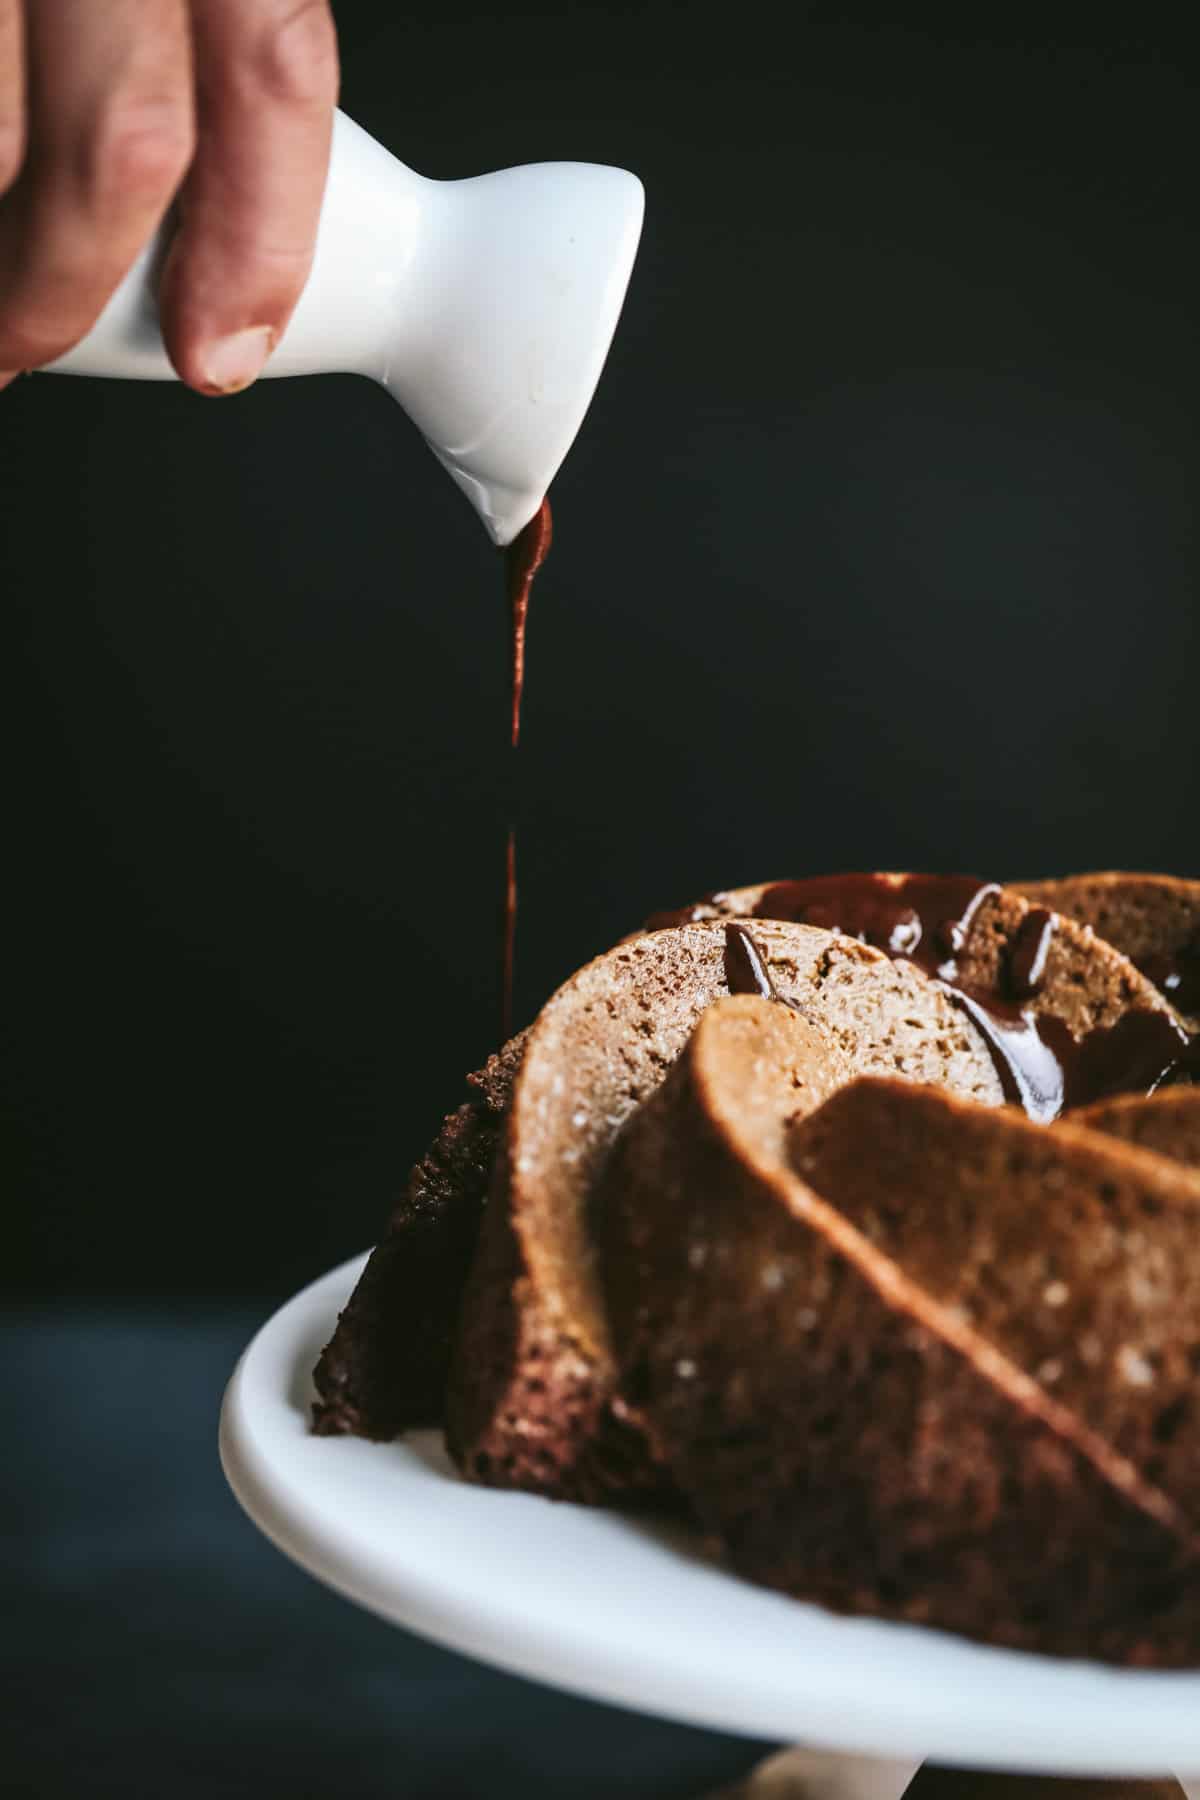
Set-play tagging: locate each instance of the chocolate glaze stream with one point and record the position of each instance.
(508, 935)
(522, 560)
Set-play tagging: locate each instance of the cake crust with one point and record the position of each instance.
(1166, 1122)
(384, 1369)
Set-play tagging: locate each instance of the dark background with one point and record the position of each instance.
(876, 550)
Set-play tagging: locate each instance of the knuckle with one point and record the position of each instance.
(297, 54)
(140, 148)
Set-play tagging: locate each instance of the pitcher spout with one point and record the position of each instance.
(485, 307)
(525, 273)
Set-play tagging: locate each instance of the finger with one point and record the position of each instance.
(266, 78)
(109, 139)
(12, 92)
(12, 110)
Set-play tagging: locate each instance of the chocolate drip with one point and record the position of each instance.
(923, 918)
(1142, 1051)
(508, 933)
(745, 970)
(1046, 1070)
(1030, 1072)
(1027, 953)
(1177, 974)
(711, 907)
(523, 558)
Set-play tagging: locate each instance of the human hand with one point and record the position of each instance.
(109, 110)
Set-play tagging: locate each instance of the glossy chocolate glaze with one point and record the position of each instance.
(1031, 1075)
(747, 970)
(885, 919)
(685, 915)
(1178, 975)
(522, 560)
(1142, 1051)
(508, 934)
(1027, 954)
(925, 919)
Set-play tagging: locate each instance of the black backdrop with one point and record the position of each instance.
(876, 549)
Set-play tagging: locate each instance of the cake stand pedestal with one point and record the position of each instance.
(828, 1775)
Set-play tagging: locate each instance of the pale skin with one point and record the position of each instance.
(113, 110)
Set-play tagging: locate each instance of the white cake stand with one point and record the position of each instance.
(621, 1610)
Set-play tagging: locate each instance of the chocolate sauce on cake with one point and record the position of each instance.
(522, 560)
(1041, 1066)
(745, 970)
(671, 916)
(1031, 1075)
(1140, 1052)
(1027, 953)
(1177, 974)
(923, 918)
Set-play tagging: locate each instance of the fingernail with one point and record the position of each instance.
(232, 363)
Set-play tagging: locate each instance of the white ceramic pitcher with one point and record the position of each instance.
(485, 307)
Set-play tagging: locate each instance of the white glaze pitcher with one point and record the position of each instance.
(485, 307)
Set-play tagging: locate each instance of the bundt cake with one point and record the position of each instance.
(743, 1223)
(386, 1367)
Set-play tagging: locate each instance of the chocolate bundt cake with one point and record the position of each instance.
(532, 1400)
(386, 1366)
(912, 1356)
(785, 1257)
